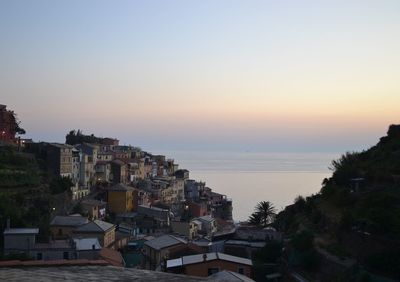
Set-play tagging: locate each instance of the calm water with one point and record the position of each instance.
(248, 178)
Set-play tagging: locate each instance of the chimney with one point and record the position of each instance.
(204, 257)
(93, 247)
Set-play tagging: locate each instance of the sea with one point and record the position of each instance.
(250, 177)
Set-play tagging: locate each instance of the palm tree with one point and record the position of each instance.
(255, 219)
(264, 214)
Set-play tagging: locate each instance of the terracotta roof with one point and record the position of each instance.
(12, 263)
(111, 256)
(54, 273)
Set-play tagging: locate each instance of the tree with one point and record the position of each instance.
(263, 215)
(255, 218)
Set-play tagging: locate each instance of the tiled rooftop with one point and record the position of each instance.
(21, 231)
(89, 273)
(68, 221)
(200, 258)
(164, 241)
(95, 226)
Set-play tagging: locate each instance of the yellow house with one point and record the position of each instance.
(121, 198)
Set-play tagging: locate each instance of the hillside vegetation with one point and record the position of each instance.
(28, 193)
(356, 215)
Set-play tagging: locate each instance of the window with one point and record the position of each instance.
(59, 231)
(212, 270)
(39, 256)
(66, 255)
(241, 270)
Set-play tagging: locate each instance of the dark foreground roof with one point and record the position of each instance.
(89, 273)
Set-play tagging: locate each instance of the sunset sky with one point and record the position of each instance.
(235, 75)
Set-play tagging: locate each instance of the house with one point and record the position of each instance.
(253, 233)
(171, 167)
(135, 169)
(103, 171)
(157, 250)
(193, 188)
(207, 264)
(208, 225)
(61, 227)
(18, 240)
(121, 199)
(121, 240)
(23, 240)
(140, 223)
(243, 248)
(94, 208)
(87, 248)
(221, 206)
(105, 156)
(158, 213)
(75, 165)
(198, 209)
(54, 250)
(119, 172)
(182, 174)
(103, 231)
(59, 159)
(184, 228)
(178, 190)
(76, 193)
(110, 141)
(88, 161)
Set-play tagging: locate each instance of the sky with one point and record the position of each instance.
(275, 76)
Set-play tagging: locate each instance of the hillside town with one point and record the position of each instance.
(126, 207)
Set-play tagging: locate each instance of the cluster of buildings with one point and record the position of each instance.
(73, 239)
(131, 177)
(141, 204)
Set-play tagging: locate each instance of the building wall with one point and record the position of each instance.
(155, 212)
(155, 257)
(105, 239)
(103, 171)
(119, 173)
(120, 201)
(198, 209)
(53, 254)
(61, 232)
(187, 229)
(75, 168)
(59, 160)
(86, 170)
(202, 269)
(19, 241)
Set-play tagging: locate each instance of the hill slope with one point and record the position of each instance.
(356, 215)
